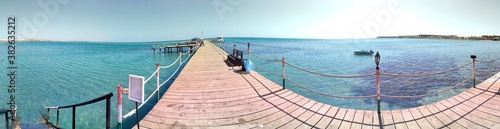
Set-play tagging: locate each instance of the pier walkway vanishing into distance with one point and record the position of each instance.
(209, 93)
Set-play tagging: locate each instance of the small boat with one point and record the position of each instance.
(220, 39)
(363, 52)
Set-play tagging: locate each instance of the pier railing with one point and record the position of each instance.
(120, 90)
(378, 96)
(106, 97)
(6, 112)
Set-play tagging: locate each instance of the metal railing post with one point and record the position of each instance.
(474, 68)
(378, 88)
(7, 120)
(158, 81)
(137, 115)
(57, 118)
(73, 121)
(119, 88)
(283, 71)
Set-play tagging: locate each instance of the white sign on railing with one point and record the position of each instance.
(136, 88)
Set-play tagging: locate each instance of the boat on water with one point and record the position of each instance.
(363, 52)
(220, 39)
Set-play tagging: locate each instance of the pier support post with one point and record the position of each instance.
(119, 92)
(473, 57)
(377, 70)
(158, 80)
(283, 71)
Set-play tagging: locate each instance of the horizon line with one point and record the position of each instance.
(46, 40)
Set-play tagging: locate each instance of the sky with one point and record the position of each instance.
(160, 20)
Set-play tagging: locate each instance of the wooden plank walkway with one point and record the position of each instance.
(210, 94)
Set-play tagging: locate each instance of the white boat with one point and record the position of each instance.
(220, 39)
(363, 52)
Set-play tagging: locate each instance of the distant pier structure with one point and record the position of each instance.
(177, 47)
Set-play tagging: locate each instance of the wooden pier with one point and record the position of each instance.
(210, 94)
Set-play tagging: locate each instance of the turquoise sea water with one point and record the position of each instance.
(63, 73)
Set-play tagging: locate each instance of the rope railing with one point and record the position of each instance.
(328, 75)
(427, 74)
(173, 63)
(326, 94)
(429, 94)
(266, 59)
(267, 71)
(172, 75)
(177, 61)
(312, 72)
(488, 61)
(154, 73)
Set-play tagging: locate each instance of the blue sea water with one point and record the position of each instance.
(63, 73)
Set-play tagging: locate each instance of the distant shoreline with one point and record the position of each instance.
(422, 36)
(450, 37)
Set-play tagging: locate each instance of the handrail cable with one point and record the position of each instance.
(488, 61)
(428, 94)
(427, 74)
(268, 71)
(270, 60)
(327, 75)
(325, 94)
(158, 88)
(106, 97)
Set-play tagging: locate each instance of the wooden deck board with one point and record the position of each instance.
(209, 94)
(327, 118)
(398, 119)
(420, 119)
(431, 118)
(338, 119)
(387, 120)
